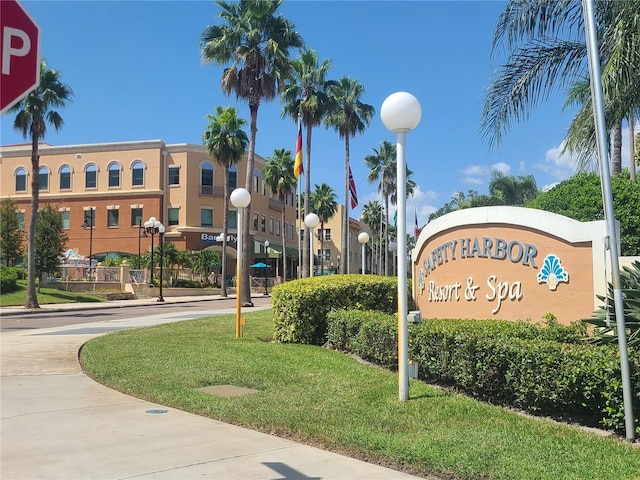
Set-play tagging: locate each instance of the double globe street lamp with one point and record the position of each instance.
(363, 238)
(153, 227)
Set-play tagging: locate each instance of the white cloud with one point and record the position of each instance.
(557, 165)
(473, 180)
(501, 167)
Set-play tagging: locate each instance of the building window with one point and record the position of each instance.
(113, 217)
(44, 178)
(263, 224)
(91, 176)
(271, 226)
(256, 180)
(21, 180)
(233, 177)
(174, 216)
(278, 228)
(206, 178)
(231, 219)
(326, 254)
(136, 217)
(66, 219)
(174, 176)
(291, 232)
(89, 218)
(326, 232)
(114, 175)
(302, 235)
(65, 178)
(206, 217)
(137, 174)
(255, 221)
(20, 216)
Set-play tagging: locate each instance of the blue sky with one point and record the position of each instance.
(135, 70)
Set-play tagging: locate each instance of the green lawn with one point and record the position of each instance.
(324, 398)
(46, 295)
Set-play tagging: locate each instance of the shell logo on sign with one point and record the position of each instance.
(508, 262)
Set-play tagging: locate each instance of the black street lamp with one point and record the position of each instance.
(89, 223)
(152, 227)
(141, 234)
(266, 258)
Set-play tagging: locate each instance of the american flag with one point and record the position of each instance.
(352, 189)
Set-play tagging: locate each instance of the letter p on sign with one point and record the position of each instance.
(20, 49)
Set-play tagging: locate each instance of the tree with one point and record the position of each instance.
(11, 233)
(305, 98)
(51, 240)
(279, 177)
(547, 51)
(372, 217)
(460, 200)
(256, 40)
(580, 198)
(348, 115)
(203, 263)
(510, 190)
(34, 112)
(226, 142)
(324, 203)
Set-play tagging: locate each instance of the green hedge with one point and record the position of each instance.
(550, 370)
(8, 279)
(300, 307)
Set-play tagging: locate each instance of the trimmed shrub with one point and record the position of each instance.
(300, 307)
(8, 279)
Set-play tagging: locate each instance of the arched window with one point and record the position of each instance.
(90, 176)
(137, 174)
(206, 178)
(21, 180)
(114, 174)
(44, 178)
(65, 177)
(233, 177)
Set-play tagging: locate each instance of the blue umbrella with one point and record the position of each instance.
(260, 265)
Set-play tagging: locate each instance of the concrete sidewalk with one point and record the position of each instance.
(59, 424)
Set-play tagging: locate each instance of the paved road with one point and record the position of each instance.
(59, 424)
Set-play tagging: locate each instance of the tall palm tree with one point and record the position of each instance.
(348, 115)
(226, 143)
(34, 112)
(382, 169)
(513, 190)
(547, 51)
(371, 215)
(324, 203)
(279, 177)
(305, 97)
(256, 40)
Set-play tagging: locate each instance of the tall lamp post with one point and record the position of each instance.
(152, 226)
(240, 198)
(363, 238)
(90, 224)
(401, 113)
(266, 257)
(141, 234)
(311, 221)
(161, 244)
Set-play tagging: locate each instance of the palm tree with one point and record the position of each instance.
(305, 97)
(324, 203)
(226, 143)
(348, 115)
(547, 50)
(256, 40)
(34, 112)
(513, 190)
(371, 216)
(279, 177)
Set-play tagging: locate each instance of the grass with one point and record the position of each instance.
(45, 295)
(324, 398)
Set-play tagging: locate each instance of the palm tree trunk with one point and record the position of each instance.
(225, 232)
(284, 244)
(321, 256)
(386, 236)
(344, 260)
(632, 154)
(306, 240)
(246, 287)
(616, 154)
(32, 297)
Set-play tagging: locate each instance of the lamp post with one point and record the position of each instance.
(311, 221)
(363, 238)
(141, 234)
(240, 198)
(90, 225)
(400, 113)
(161, 243)
(152, 226)
(266, 257)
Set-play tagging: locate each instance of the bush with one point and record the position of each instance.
(8, 279)
(184, 283)
(300, 307)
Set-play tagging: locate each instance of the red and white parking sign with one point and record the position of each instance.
(20, 49)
